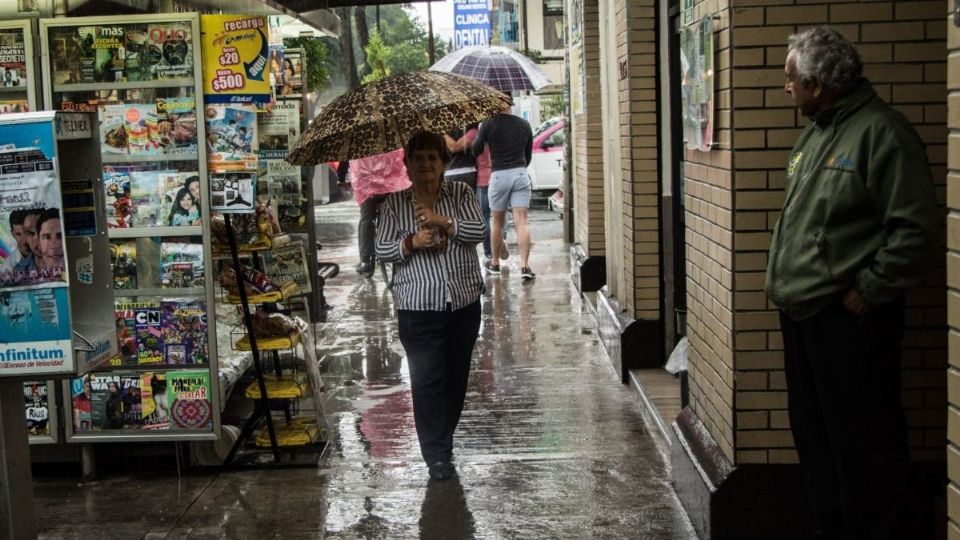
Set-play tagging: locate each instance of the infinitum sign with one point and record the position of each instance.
(471, 23)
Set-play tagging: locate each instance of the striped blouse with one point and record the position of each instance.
(427, 280)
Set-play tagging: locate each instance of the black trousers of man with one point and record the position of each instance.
(367, 228)
(439, 346)
(843, 381)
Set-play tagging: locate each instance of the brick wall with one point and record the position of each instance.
(953, 282)
(588, 142)
(709, 248)
(902, 45)
(639, 149)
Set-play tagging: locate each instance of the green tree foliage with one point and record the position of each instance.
(551, 106)
(377, 55)
(317, 58)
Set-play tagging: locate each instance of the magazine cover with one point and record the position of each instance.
(170, 47)
(188, 395)
(278, 130)
(153, 401)
(140, 123)
(30, 203)
(10, 106)
(177, 125)
(125, 315)
(13, 59)
(148, 324)
(287, 263)
(130, 398)
(113, 132)
(37, 405)
(116, 185)
(231, 138)
(185, 330)
(145, 199)
(292, 74)
(80, 404)
(123, 261)
(181, 198)
(66, 50)
(181, 263)
(106, 407)
(233, 192)
(109, 55)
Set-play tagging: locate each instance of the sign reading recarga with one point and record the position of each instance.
(471, 23)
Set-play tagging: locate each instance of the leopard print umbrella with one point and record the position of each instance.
(380, 116)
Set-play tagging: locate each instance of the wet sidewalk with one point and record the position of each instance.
(550, 444)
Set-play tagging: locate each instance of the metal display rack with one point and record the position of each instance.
(123, 68)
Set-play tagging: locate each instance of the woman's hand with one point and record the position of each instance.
(430, 238)
(426, 217)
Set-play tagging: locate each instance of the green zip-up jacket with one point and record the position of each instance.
(860, 210)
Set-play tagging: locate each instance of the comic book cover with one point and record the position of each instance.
(37, 404)
(116, 185)
(185, 330)
(130, 399)
(174, 43)
(80, 405)
(13, 59)
(105, 401)
(145, 198)
(177, 125)
(149, 331)
(123, 261)
(125, 315)
(153, 401)
(181, 263)
(181, 192)
(188, 395)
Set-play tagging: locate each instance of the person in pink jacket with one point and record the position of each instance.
(373, 178)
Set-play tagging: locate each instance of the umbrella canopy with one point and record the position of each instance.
(381, 116)
(502, 68)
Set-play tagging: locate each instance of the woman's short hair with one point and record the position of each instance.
(825, 55)
(426, 140)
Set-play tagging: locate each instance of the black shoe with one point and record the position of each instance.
(365, 269)
(527, 274)
(491, 269)
(441, 470)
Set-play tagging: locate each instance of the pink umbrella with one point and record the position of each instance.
(379, 174)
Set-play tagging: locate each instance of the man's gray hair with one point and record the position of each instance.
(824, 54)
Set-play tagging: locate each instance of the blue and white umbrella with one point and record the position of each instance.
(498, 67)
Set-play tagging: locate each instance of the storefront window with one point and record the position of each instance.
(553, 33)
(507, 23)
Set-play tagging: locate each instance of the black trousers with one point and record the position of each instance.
(843, 381)
(439, 345)
(367, 229)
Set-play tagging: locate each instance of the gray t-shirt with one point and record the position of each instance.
(510, 140)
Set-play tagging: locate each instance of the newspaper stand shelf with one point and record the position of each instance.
(290, 440)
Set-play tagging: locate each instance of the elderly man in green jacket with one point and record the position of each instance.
(859, 217)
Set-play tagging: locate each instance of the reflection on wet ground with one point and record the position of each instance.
(550, 444)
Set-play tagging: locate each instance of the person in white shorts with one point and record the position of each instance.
(510, 141)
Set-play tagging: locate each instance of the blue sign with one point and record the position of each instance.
(471, 23)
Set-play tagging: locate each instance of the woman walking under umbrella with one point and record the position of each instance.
(430, 232)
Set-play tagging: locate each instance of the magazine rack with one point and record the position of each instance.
(142, 76)
(296, 440)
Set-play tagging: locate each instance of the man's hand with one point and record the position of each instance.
(854, 303)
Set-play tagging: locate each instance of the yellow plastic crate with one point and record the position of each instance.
(297, 432)
(286, 387)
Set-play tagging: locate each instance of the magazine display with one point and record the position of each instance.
(123, 261)
(13, 59)
(180, 196)
(116, 185)
(106, 405)
(287, 263)
(181, 263)
(121, 53)
(231, 138)
(145, 199)
(233, 192)
(188, 395)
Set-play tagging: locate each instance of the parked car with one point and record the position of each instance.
(546, 165)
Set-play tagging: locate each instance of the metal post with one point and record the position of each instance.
(16, 484)
(430, 52)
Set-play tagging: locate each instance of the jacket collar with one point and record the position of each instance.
(861, 94)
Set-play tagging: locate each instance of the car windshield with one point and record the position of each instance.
(547, 124)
